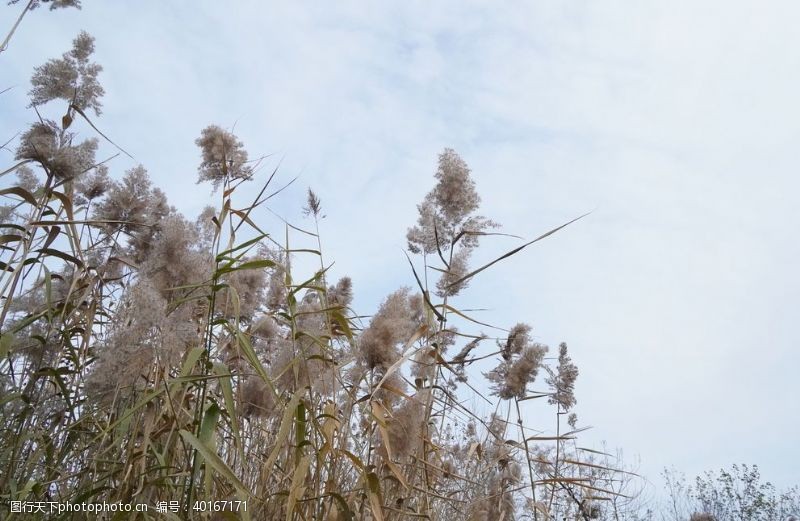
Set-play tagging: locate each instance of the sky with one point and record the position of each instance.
(674, 123)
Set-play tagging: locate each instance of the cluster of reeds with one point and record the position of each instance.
(737, 493)
(147, 358)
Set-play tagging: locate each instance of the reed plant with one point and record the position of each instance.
(150, 358)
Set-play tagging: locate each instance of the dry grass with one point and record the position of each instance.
(147, 358)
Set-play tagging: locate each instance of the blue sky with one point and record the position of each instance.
(675, 123)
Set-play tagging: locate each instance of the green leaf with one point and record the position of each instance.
(5, 344)
(283, 431)
(214, 460)
(191, 359)
(249, 265)
(252, 358)
(208, 427)
(245, 244)
(224, 374)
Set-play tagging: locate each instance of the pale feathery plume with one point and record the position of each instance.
(313, 204)
(135, 208)
(42, 342)
(499, 502)
(511, 378)
(257, 398)
(497, 505)
(455, 193)
(342, 293)
(459, 362)
(54, 4)
(27, 180)
(422, 238)
(276, 290)
(307, 362)
(389, 392)
(423, 366)
(393, 324)
(62, 4)
(275, 299)
(51, 147)
(511, 473)
(7, 215)
(406, 427)
(446, 210)
(287, 367)
(518, 338)
(420, 315)
(40, 142)
(95, 184)
(543, 457)
(97, 261)
(179, 332)
(71, 78)
(459, 267)
(593, 511)
(127, 356)
(265, 336)
(173, 259)
(496, 426)
(446, 337)
(250, 286)
(224, 156)
(206, 226)
(702, 516)
(128, 200)
(265, 328)
(462, 355)
(572, 420)
(310, 319)
(339, 297)
(471, 431)
(562, 381)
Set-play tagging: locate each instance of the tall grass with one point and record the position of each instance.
(149, 358)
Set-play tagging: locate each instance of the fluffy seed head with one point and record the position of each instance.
(447, 209)
(563, 380)
(27, 179)
(342, 293)
(517, 339)
(395, 322)
(54, 4)
(257, 398)
(702, 516)
(511, 378)
(313, 204)
(138, 208)
(406, 427)
(51, 147)
(94, 185)
(224, 156)
(71, 78)
(459, 267)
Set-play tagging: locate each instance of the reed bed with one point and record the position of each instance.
(151, 358)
